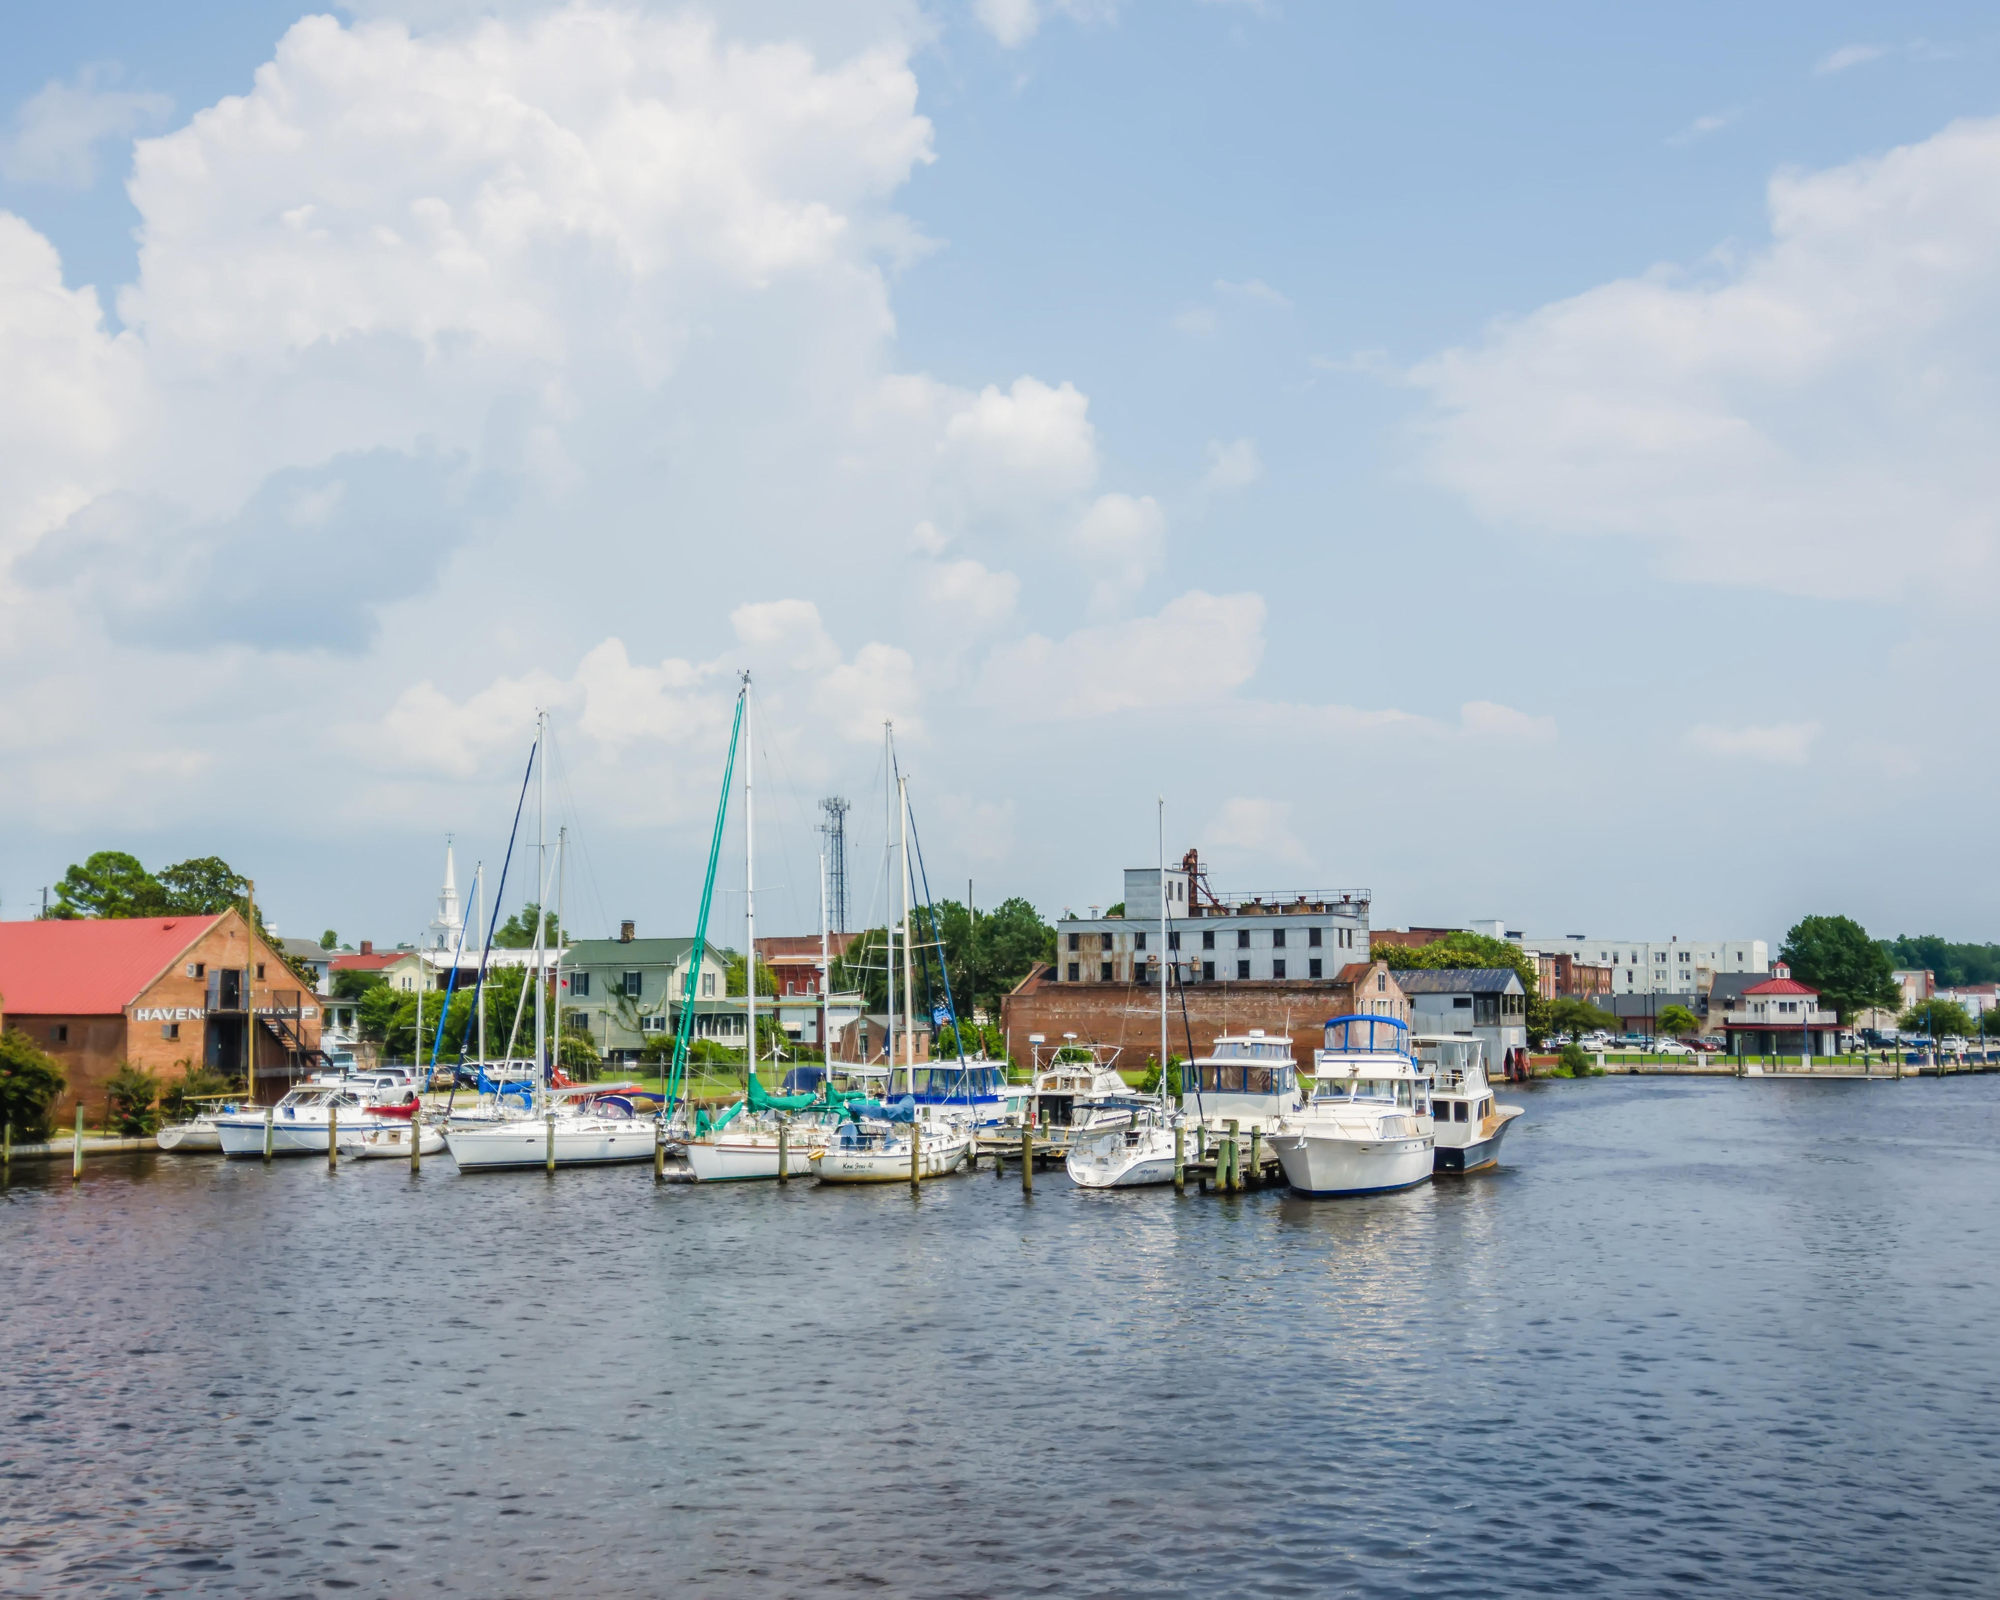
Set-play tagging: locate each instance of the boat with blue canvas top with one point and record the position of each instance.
(1367, 1128)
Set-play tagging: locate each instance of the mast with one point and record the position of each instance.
(1163, 952)
(909, 986)
(249, 992)
(541, 910)
(825, 967)
(750, 875)
(889, 895)
(479, 899)
(555, 993)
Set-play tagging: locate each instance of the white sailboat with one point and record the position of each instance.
(1141, 1153)
(1367, 1128)
(386, 1141)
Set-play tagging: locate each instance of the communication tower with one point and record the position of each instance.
(835, 829)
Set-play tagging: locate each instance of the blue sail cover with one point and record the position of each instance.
(488, 1086)
(903, 1110)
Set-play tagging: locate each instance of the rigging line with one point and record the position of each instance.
(951, 1006)
(671, 1084)
(541, 971)
(566, 801)
(479, 982)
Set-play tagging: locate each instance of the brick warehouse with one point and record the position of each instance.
(1128, 1014)
(163, 993)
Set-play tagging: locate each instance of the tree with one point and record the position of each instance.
(1940, 1019)
(735, 967)
(351, 985)
(1576, 1062)
(201, 887)
(1954, 964)
(576, 1052)
(110, 883)
(1578, 1017)
(131, 1093)
(518, 931)
(329, 940)
(31, 1081)
(1673, 1021)
(1835, 956)
(1463, 950)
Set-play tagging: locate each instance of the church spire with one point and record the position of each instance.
(449, 921)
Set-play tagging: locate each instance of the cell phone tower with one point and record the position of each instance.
(835, 829)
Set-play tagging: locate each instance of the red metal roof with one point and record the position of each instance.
(375, 961)
(88, 967)
(1780, 986)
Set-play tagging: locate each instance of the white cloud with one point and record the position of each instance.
(1814, 417)
(879, 685)
(1120, 538)
(1848, 55)
(1232, 466)
(1253, 289)
(1703, 126)
(788, 628)
(1485, 719)
(1784, 743)
(1028, 442)
(1260, 829)
(1196, 321)
(967, 593)
(56, 130)
(1012, 22)
(1198, 649)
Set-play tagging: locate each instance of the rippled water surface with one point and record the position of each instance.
(1695, 1336)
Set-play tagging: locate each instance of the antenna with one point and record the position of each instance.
(835, 829)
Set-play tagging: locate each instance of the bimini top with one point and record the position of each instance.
(1356, 1034)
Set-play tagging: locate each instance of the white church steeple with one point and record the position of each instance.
(450, 921)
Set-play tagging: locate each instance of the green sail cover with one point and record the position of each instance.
(704, 1123)
(761, 1099)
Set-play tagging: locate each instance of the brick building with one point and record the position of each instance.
(164, 993)
(1128, 1014)
(1561, 976)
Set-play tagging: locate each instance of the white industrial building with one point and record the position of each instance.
(1670, 966)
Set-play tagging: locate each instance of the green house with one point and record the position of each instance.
(622, 992)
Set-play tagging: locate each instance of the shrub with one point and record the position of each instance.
(1576, 1062)
(132, 1093)
(194, 1083)
(30, 1082)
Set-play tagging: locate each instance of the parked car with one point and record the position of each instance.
(1706, 1047)
(1671, 1047)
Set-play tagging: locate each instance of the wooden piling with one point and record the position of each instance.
(1180, 1161)
(784, 1152)
(76, 1149)
(1256, 1161)
(332, 1137)
(660, 1148)
(1235, 1172)
(1027, 1159)
(417, 1137)
(551, 1167)
(916, 1151)
(270, 1131)
(7, 1148)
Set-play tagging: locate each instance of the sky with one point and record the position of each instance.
(1531, 463)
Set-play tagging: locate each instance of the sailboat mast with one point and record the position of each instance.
(889, 894)
(542, 895)
(555, 992)
(750, 872)
(825, 967)
(1163, 952)
(479, 921)
(909, 985)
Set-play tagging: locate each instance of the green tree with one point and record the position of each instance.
(194, 1083)
(518, 931)
(576, 1054)
(1835, 956)
(1673, 1021)
(132, 1094)
(1576, 1062)
(203, 886)
(329, 940)
(110, 883)
(1461, 951)
(1578, 1017)
(735, 968)
(31, 1081)
(349, 984)
(1940, 1019)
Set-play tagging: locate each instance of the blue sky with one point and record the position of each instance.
(1529, 463)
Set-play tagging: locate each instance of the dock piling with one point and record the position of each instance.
(332, 1137)
(916, 1150)
(1235, 1172)
(551, 1167)
(270, 1131)
(7, 1148)
(417, 1137)
(1027, 1159)
(1256, 1161)
(1180, 1161)
(660, 1148)
(784, 1152)
(76, 1149)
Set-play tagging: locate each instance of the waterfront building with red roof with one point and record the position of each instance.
(1781, 1017)
(164, 993)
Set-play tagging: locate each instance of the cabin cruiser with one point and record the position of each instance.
(1469, 1123)
(299, 1121)
(582, 1125)
(1248, 1078)
(876, 1146)
(1080, 1087)
(1367, 1128)
(1132, 1153)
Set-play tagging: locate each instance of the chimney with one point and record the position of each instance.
(625, 932)
(367, 947)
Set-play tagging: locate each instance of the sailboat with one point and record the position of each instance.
(1141, 1151)
(902, 1140)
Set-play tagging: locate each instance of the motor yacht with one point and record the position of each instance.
(1080, 1087)
(1469, 1123)
(299, 1121)
(1248, 1078)
(1367, 1128)
(1132, 1154)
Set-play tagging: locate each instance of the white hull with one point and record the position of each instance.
(386, 1143)
(198, 1137)
(1330, 1165)
(940, 1153)
(1108, 1162)
(579, 1142)
(245, 1136)
(721, 1159)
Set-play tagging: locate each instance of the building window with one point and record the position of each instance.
(1173, 941)
(632, 985)
(260, 969)
(1277, 938)
(1312, 938)
(197, 969)
(1208, 938)
(1242, 969)
(579, 1021)
(1138, 941)
(59, 1034)
(1104, 972)
(1106, 938)
(1313, 968)
(1208, 972)
(1382, 980)
(579, 983)
(1076, 941)
(170, 1030)
(708, 986)
(1277, 969)
(1243, 938)
(1075, 972)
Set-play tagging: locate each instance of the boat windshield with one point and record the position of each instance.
(1250, 1050)
(1214, 1077)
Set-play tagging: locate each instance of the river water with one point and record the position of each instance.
(1696, 1336)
